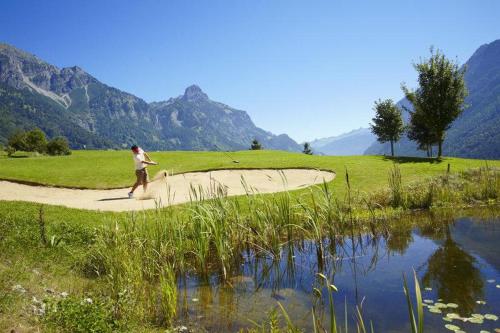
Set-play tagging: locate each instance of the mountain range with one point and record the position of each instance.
(353, 143)
(71, 102)
(476, 132)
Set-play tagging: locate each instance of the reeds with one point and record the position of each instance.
(142, 256)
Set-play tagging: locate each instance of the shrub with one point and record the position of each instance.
(17, 141)
(58, 146)
(398, 198)
(72, 314)
(36, 141)
(10, 151)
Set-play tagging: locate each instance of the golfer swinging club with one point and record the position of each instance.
(141, 161)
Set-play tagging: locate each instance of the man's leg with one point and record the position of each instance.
(138, 181)
(145, 179)
(136, 185)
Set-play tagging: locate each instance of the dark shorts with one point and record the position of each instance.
(142, 176)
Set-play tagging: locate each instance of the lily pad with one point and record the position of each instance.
(452, 305)
(490, 316)
(481, 302)
(433, 309)
(452, 327)
(477, 315)
(440, 305)
(428, 288)
(453, 315)
(428, 301)
(476, 320)
(448, 319)
(483, 331)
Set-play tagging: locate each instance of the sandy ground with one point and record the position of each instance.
(172, 190)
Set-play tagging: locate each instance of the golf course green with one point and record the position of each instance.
(90, 270)
(114, 169)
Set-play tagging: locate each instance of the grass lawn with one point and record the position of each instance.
(78, 239)
(112, 169)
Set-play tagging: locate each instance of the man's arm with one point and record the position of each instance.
(148, 160)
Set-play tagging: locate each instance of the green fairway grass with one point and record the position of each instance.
(114, 169)
(52, 249)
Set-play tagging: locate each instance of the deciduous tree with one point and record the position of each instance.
(387, 125)
(58, 146)
(17, 141)
(36, 141)
(439, 99)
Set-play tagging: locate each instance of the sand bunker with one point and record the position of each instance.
(170, 190)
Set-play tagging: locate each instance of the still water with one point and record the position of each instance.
(457, 261)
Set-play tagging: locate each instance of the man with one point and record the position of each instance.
(141, 161)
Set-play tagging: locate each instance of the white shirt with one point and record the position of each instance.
(138, 158)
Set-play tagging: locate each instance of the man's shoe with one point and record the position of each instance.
(130, 195)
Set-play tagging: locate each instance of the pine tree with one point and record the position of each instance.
(307, 149)
(256, 145)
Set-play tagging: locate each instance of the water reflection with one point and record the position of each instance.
(366, 268)
(451, 269)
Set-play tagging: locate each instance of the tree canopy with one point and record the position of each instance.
(255, 145)
(438, 100)
(36, 141)
(307, 149)
(388, 124)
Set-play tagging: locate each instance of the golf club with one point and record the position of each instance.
(226, 153)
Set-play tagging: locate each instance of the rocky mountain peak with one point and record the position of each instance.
(194, 93)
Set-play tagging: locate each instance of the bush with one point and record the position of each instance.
(36, 141)
(17, 141)
(72, 314)
(10, 151)
(58, 146)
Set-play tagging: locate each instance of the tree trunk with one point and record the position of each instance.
(430, 147)
(440, 148)
(392, 148)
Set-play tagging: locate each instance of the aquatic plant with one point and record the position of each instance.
(138, 259)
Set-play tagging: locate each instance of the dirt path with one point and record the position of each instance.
(176, 190)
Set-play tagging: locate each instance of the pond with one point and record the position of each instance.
(457, 261)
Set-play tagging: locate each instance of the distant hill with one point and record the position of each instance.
(352, 143)
(91, 114)
(476, 133)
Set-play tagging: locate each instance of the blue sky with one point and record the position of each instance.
(306, 68)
